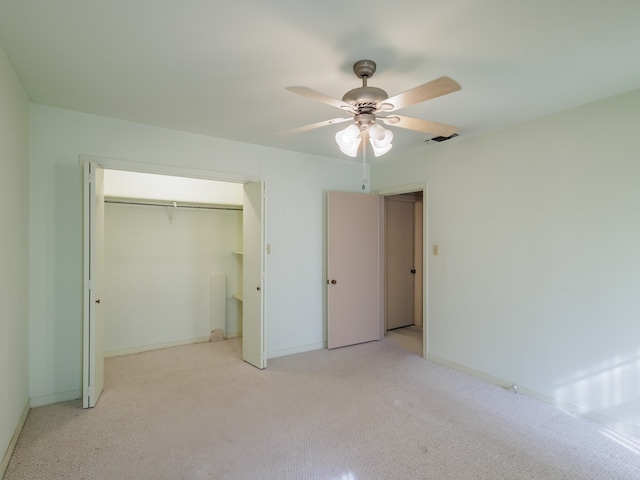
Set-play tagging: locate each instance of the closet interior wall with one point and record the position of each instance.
(158, 265)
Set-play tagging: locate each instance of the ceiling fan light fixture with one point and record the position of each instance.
(366, 102)
(349, 140)
(380, 139)
(380, 151)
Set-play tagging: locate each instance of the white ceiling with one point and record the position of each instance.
(220, 68)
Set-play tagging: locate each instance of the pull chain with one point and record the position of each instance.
(364, 160)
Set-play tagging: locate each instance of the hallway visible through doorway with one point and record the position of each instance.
(403, 253)
(409, 338)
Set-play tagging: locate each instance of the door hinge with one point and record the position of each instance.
(90, 177)
(90, 391)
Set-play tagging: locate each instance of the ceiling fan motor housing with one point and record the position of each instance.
(365, 99)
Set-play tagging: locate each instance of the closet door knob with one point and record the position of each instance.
(333, 282)
(258, 288)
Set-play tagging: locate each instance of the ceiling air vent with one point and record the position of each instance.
(442, 139)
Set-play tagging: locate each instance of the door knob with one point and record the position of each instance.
(333, 282)
(413, 270)
(258, 288)
(98, 301)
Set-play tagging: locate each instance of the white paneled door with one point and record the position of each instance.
(253, 275)
(353, 268)
(93, 303)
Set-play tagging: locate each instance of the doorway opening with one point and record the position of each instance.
(404, 269)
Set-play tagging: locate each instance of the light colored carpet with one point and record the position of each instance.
(371, 411)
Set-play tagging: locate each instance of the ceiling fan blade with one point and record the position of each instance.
(308, 92)
(314, 125)
(438, 129)
(433, 89)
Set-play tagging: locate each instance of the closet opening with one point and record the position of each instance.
(172, 261)
(166, 261)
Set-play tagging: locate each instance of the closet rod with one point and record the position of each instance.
(171, 205)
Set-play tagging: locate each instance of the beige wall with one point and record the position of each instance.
(537, 281)
(14, 247)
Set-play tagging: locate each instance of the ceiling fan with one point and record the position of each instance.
(368, 104)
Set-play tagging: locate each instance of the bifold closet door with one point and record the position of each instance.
(93, 276)
(253, 275)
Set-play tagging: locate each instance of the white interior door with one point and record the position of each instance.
(93, 357)
(253, 275)
(399, 256)
(353, 268)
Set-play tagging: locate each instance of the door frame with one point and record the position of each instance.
(398, 190)
(178, 171)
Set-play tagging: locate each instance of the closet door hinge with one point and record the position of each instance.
(89, 177)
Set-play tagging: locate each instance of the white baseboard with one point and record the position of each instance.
(156, 346)
(14, 439)
(293, 351)
(608, 422)
(55, 398)
(474, 373)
